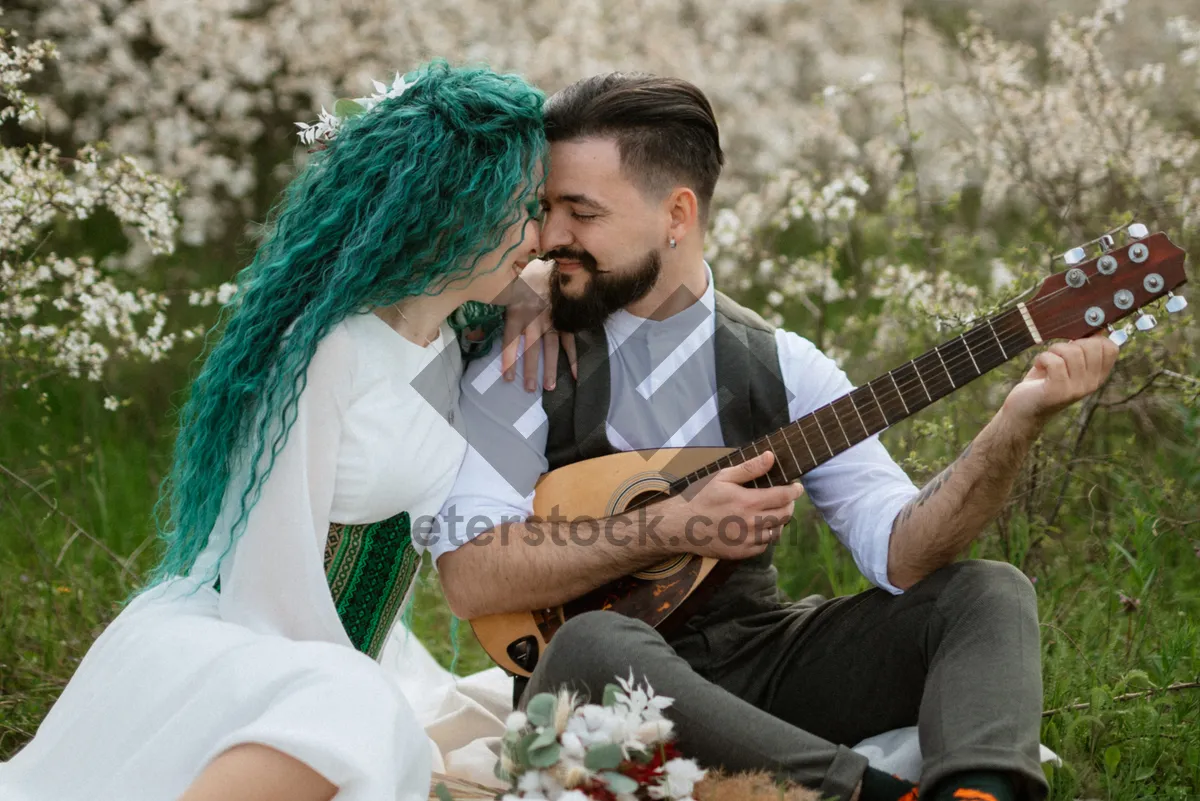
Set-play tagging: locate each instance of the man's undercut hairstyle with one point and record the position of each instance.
(664, 129)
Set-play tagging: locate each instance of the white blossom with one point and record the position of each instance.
(679, 778)
(71, 316)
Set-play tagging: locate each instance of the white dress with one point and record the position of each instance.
(186, 671)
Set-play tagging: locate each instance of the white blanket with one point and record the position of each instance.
(464, 716)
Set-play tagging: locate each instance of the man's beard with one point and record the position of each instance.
(605, 293)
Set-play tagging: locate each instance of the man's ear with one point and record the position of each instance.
(683, 209)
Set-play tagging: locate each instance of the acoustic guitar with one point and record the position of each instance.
(1090, 295)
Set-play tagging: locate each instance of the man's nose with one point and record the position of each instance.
(554, 234)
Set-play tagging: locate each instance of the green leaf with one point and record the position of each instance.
(442, 793)
(610, 694)
(500, 773)
(540, 710)
(345, 108)
(1112, 758)
(544, 739)
(521, 753)
(603, 757)
(544, 756)
(619, 783)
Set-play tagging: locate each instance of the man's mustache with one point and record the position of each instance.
(569, 254)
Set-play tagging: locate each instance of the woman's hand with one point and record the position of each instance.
(528, 313)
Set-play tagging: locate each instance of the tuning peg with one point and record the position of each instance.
(1137, 231)
(1119, 335)
(1074, 256)
(1175, 303)
(1145, 321)
(1107, 243)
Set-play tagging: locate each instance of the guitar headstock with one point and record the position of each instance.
(1114, 281)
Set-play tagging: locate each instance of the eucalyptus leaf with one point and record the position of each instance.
(442, 793)
(540, 710)
(610, 694)
(607, 756)
(344, 108)
(544, 756)
(521, 753)
(544, 739)
(619, 783)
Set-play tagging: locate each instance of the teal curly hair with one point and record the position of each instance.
(405, 200)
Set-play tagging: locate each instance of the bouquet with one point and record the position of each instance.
(559, 749)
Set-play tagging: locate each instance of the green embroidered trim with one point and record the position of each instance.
(370, 568)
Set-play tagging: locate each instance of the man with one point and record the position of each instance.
(665, 360)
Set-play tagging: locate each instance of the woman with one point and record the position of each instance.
(320, 428)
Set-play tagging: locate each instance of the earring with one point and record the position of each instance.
(672, 240)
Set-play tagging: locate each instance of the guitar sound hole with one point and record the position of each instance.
(665, 569)
(645, 499)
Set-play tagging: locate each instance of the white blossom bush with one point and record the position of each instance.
(61, 313)
(1073, 146)
(1084, 143)
(207, 92)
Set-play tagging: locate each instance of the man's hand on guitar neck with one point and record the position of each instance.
(537, 564)
(944, 517)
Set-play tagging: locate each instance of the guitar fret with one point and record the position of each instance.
(944, 367)
(838, 417)
(800, 428)
(967, 345)
(821, 428)
(998, 342)
(882, 411)
(859, 416)
(979, 342)
(892, 376)
(922, 380)
(955, 354)
(909, 380)
(792, 453)
(869, 409)
(778, 460)
(754, 446)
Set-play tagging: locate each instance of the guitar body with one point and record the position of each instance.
(585, 493)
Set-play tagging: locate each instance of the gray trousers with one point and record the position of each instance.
(789, 687)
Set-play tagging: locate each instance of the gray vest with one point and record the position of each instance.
(752, 402)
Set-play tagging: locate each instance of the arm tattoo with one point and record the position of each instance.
(933, 486)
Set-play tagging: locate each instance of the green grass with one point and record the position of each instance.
(82, 466)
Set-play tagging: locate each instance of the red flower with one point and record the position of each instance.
(644, 773)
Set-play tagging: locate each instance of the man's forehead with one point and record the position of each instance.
(584, 167)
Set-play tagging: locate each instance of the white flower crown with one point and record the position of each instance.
(318, 133)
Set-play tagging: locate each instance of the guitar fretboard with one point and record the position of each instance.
(867, 410)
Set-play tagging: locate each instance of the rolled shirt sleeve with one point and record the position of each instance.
(506, 430)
